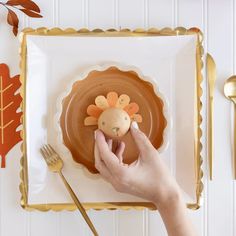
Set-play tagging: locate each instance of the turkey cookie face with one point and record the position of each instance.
(114, 122)
(113, 114)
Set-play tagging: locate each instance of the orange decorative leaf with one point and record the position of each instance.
(31, 13)
(14, 2)
(28, 4)
(28, 7)
(9, 117)
(13, 20)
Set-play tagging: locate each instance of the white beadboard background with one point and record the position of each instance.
(217, 20)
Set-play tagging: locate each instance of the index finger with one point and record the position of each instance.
(142, 142)
(110, 159)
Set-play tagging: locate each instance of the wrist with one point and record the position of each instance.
(172, 201)
(174, 215)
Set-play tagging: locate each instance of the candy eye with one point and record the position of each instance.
(103, 123)
(126, 118)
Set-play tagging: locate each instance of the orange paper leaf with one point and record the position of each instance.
(9, 117)
(28, 7)
(13, 20)
(31, 13)
(28, 4)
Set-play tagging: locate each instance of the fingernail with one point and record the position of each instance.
(95, 134)
(135, 125)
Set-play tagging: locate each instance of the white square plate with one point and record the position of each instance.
(53, 62)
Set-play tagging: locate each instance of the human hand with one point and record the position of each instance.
(148, 177)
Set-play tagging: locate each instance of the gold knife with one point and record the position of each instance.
(211, 78)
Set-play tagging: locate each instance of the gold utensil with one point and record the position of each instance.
(55, 164)
(230, 93)
(211, 77)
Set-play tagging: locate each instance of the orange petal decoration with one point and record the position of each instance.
(94, 111)
(101, 102)
(123, 101)
(9, 117)
(112, 98)
(90, 121)
(132, 108)
(137, 117)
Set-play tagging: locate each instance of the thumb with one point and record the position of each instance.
(143, 143)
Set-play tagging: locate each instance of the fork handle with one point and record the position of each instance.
(79, 205)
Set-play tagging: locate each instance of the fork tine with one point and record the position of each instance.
(55, 155)
(51, 149)
(50, 155)
(46, 150)
(45, 155)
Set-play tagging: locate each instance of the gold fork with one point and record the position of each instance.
(55, 164)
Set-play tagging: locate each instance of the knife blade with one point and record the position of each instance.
(211, 78)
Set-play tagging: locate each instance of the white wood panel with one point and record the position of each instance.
(9, 51)
(72, 224)
(103, 16)
(48, 12)
(190, 13)
(44, 223)
(71, 14)
(13, 218)
(220, 191)
(104, 221)
(131, 223)
(156, 225)
(161, 13)
(131, 13)
(216, 19)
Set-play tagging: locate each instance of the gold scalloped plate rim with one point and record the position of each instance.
(121, 33)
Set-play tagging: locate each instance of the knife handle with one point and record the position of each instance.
(234, 148)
